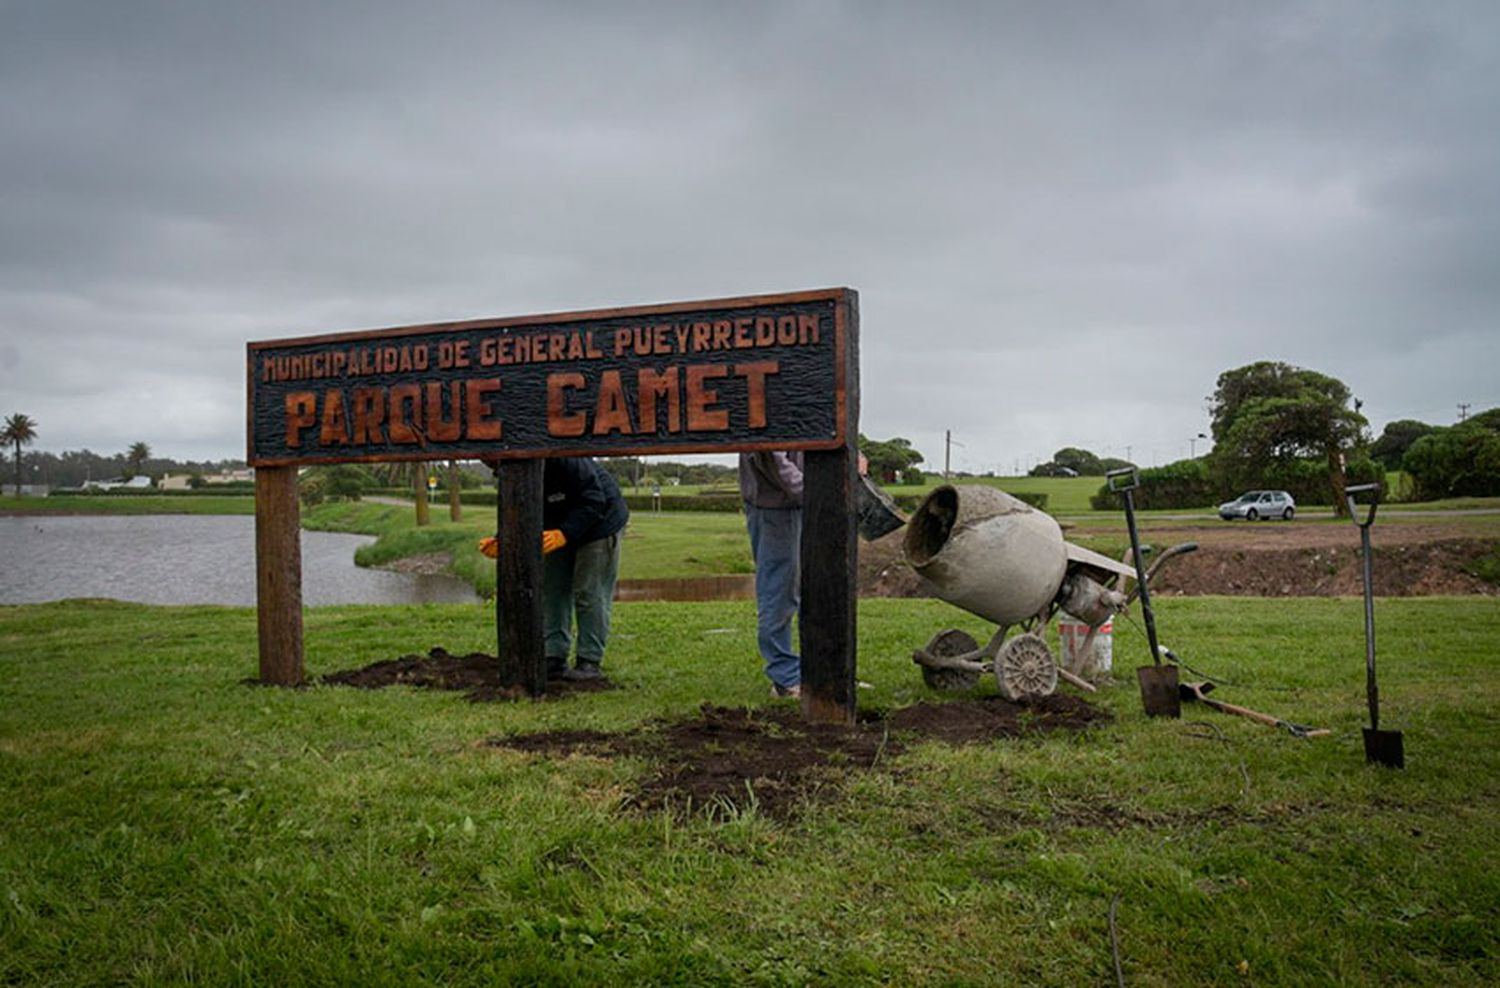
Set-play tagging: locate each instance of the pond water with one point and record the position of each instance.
(188, 559)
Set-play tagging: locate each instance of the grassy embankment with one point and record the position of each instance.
(162, 822)
(657, 545)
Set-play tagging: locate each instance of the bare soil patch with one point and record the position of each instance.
(735, 758)
(772, 759)
(482, 678)
(1268, 559)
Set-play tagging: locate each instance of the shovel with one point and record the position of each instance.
(1384, 747)
(1158, 682)
(1195, 691)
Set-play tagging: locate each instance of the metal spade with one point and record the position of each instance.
(1159, 693)
(1384, 747)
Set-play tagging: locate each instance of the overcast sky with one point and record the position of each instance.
(1064, 219)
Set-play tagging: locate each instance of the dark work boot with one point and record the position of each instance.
(557, 668)
(584, 670)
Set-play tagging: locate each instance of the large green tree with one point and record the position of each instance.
(20, 430)
(889, 459)
(1461, 461)
(1080, 461)
(1270, 413)
(1396, 439)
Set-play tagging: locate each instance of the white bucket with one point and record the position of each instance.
(1072, 633)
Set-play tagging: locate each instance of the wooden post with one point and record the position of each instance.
(278, 575)
(518, 573)
(828, 622)
(829, 587)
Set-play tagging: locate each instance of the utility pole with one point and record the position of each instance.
(948, 445)
(1463, 410)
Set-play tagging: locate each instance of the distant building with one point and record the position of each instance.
(27, 490)
(242, 476)
(138, 483)
(175, 482)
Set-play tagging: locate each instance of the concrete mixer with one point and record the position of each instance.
(996, 556)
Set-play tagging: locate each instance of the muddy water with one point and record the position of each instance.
(188, 559)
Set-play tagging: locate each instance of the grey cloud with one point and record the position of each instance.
(1064, 220)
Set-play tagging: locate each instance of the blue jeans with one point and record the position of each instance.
(776, 545)
(579, 580)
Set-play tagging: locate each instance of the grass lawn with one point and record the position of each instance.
(162, 822)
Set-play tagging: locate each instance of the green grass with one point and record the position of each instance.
(161, 822)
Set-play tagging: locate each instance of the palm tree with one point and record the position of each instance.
(455, 489)
(137, 454)
(411, 473)
(21, 430)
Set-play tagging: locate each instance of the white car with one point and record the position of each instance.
(1255, 505)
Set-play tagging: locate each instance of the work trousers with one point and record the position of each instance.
(579, 581)
(776, 545)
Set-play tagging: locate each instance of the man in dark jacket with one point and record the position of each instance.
(583, 516)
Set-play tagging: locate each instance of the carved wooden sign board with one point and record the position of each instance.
(763, 372)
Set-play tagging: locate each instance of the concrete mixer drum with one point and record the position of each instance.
(987, 552)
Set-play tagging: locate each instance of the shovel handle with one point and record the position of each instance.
(1255, 715)
(1077, 681)
(1349, 493)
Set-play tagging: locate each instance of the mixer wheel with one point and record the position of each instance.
(1025, 667)
(946, 644)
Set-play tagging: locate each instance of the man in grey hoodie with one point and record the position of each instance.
(771, 485)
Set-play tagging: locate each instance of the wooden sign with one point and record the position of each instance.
(761, 372)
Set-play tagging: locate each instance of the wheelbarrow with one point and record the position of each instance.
(999, 558)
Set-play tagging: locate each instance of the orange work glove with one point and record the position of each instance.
(490, 546)
(553, 539)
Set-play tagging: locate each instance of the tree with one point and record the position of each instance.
(890, 458)
(1461, 461)
(455, 492)
(1269, 413)
(1080, 461)
(20, 430)
(1396, 440)
(137, 455)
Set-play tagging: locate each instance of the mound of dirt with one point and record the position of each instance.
(482, 678)
(1417, 569)
(736, 757)
(1264, 560)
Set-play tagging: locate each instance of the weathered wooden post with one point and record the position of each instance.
(830, 547)
(278, 575)
(518, 576)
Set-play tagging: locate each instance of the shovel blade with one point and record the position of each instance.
(1384, 747)
(1159, 690)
